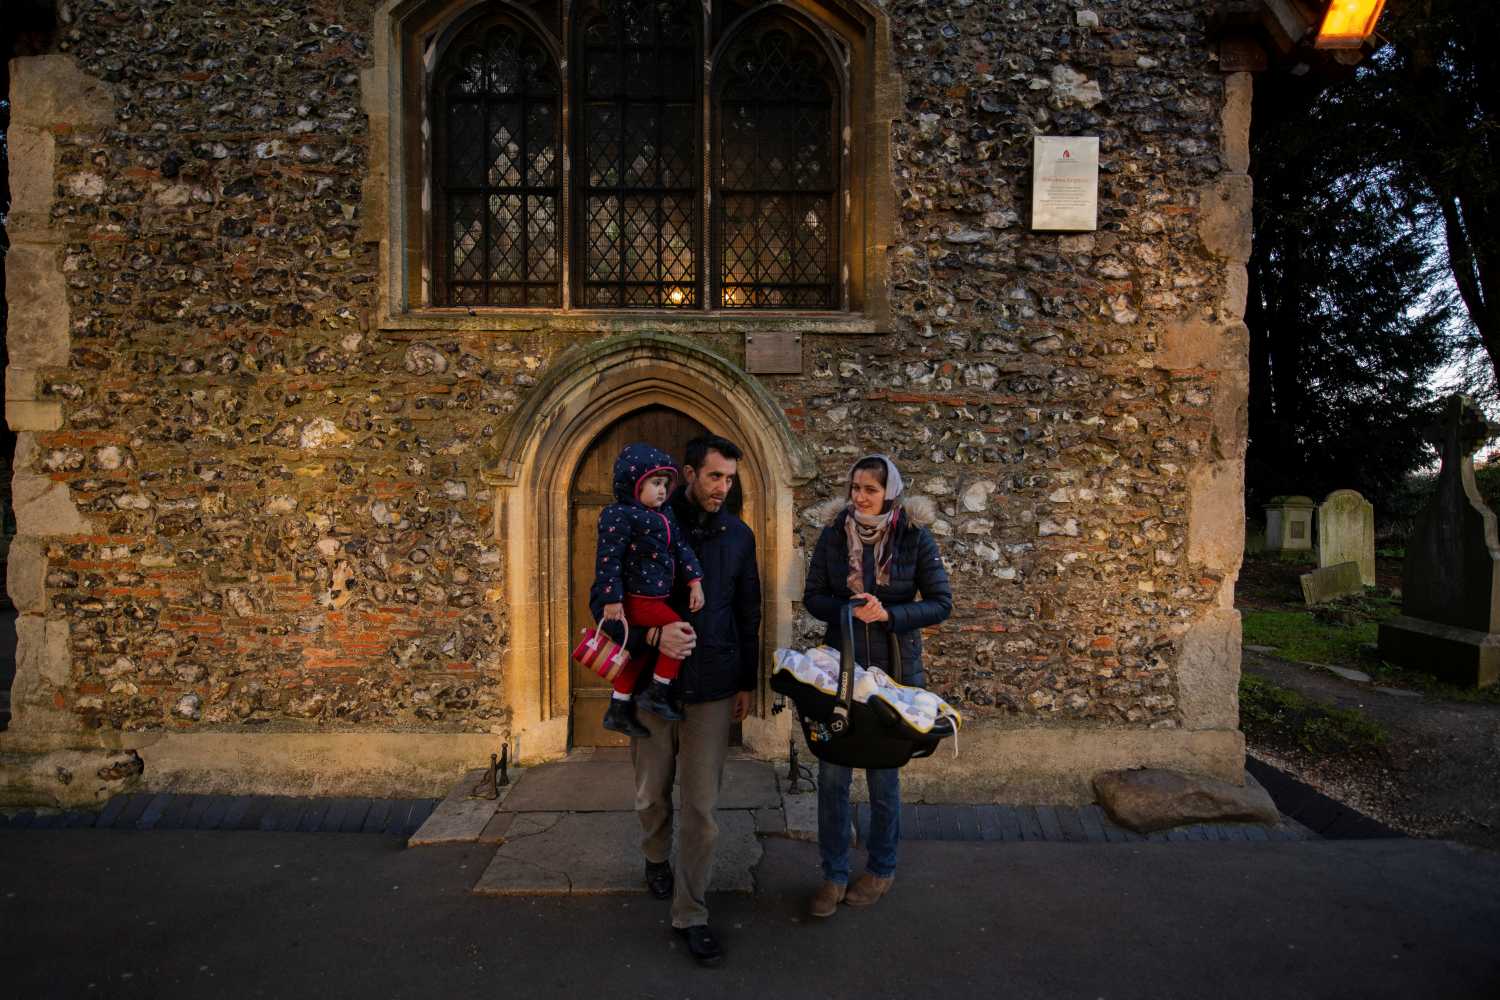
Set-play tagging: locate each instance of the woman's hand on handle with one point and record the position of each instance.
(871, 610)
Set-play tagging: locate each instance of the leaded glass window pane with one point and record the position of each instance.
(776, 173)
(499, 187)
(639, 153)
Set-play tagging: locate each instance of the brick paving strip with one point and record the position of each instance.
(1059, 824)
(594, 789)
(266, 813)
(404, 817)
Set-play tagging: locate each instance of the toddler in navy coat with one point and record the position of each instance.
(641, 550)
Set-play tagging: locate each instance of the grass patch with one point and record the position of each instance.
(1297, 635)
(1339, 633)
(1273, 714)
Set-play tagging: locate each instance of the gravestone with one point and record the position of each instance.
(1346, 533)
(1255, 538)
(1450, 581)
(1329, 582)
(1289, 523)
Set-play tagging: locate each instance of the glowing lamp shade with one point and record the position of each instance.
(1348, 23)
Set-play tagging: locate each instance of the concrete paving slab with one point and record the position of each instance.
(495, 830)
(607, 784)
(749, 784)
(549, 854)
(574, 786)
(802, 815)
(1398, 692)
(770, 822)
(458, 818)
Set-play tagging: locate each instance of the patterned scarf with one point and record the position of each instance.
(870, 530)
(863, 530)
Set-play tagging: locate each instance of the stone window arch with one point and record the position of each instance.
(593, 173)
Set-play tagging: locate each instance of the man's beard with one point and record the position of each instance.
(705, 501)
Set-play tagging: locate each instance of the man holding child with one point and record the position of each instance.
(719, 649)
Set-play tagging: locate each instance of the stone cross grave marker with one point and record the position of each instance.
(1450, 581)
(1346, 533)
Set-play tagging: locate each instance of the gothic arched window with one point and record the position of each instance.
(776, 172)
(705, 164)
(637, 124)
(498, 170)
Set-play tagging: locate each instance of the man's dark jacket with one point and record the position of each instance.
(726, 659)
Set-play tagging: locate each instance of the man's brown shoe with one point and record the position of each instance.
(826, 900)
(867, 889)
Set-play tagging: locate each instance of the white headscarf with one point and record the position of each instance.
(873, 531)
(893, 483)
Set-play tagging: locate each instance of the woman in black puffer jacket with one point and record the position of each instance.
(877, 549)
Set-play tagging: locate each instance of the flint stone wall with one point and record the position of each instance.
(276, 503)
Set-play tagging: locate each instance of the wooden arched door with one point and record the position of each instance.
(592, 491)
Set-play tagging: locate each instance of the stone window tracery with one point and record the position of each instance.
(683, 157)
(497, 170)
(638, 153)
(776, 172)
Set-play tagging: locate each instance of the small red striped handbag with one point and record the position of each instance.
(601, 654)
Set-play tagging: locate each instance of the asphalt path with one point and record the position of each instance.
(91, 913)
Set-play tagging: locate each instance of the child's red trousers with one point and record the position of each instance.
(647, 612)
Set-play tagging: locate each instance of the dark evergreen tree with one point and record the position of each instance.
(1348, 314)
(1431, 99)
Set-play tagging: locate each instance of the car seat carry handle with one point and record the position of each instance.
(845, 693)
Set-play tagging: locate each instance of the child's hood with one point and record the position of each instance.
(636, 462)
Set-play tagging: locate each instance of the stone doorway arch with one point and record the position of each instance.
(585, 391)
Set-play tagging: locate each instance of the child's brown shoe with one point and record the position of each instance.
(826, 900)
(867, 889)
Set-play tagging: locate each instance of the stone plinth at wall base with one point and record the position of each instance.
(384, 765)
(1461, 656)
(67, 779)
(1057, 764)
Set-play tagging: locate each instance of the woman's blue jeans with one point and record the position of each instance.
(833, 820)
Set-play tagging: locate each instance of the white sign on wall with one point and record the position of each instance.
(1065, 183)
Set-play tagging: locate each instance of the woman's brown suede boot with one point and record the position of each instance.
(867, 889)
(826, 900)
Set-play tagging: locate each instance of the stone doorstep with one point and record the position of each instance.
(460, 818)
(599, 783)
(598, 853)
(593, 850)
(801, 815)
(584, 785)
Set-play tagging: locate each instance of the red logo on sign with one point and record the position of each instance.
(1066, 154)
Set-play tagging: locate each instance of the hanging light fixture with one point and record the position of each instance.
(1347, 23)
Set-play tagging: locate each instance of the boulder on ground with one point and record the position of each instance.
(1150, 799)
